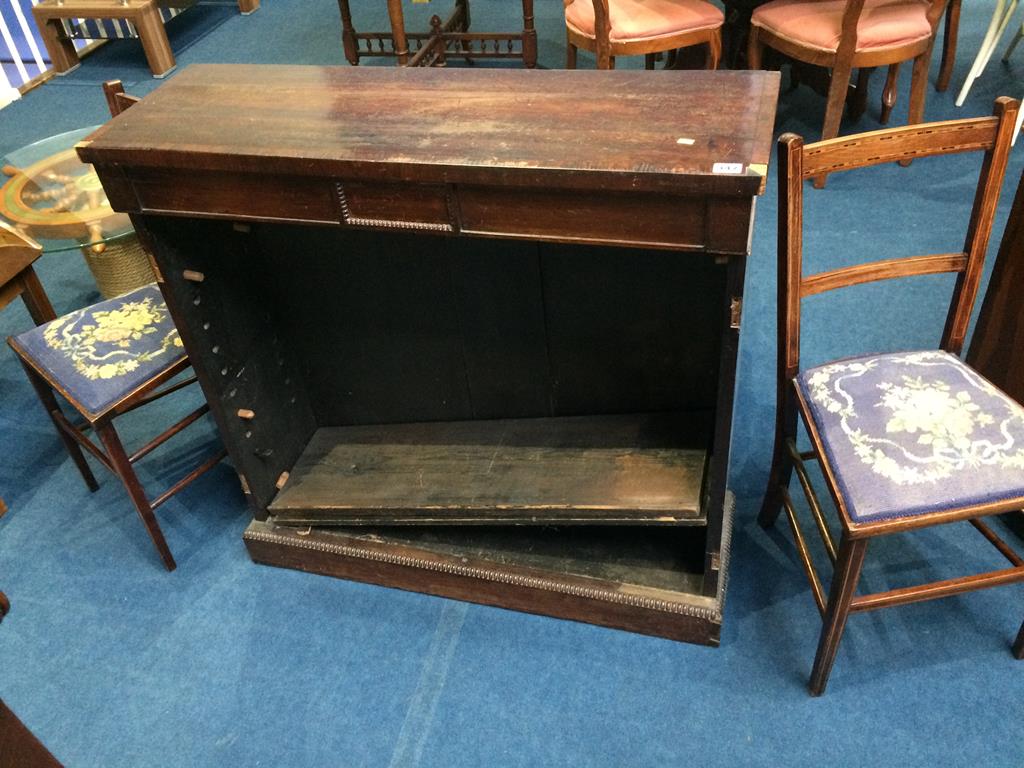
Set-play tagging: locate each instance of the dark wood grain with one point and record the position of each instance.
(636, 469)
(997, 345)
(549, 126)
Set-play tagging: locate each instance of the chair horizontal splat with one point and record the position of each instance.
(887, 269)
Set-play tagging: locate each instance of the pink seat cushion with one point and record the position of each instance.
(817, 23)
(633, 20)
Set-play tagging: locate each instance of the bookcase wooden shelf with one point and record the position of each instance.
(471, 333)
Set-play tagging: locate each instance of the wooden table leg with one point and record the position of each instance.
(245, 7)
(153, 37)
(529, 36)
(60, 49)
(348, 34)
(398, 31)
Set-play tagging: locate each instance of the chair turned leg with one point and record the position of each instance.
(782, 465)
(889, 93)
(1018, 645)
(838, 89)
(570, 56)
(125, 471)
(844, 586)
(53, 410)
(949, 36)
(649, 60)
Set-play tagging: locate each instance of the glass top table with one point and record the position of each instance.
(56, 199)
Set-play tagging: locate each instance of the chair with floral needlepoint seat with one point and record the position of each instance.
(107, 360)
(904, 440)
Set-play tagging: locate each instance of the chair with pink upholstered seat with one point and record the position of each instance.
(844, 35)
(610, 28)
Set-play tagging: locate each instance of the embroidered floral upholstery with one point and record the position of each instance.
(915, 432)
(103, 352)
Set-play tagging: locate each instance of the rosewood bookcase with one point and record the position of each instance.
(470, 333)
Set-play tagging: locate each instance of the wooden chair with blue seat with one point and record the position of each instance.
(107, 360)
(905, 440)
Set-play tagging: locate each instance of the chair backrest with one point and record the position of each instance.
(117, 100)
(797, 162)
(851, 16)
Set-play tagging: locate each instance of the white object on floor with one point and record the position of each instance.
(997, 26)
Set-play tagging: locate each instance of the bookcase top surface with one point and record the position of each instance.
(692, 129)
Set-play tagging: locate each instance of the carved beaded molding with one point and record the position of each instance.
(355, 221)
(486, 574)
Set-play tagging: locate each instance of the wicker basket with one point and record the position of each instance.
(121, 267)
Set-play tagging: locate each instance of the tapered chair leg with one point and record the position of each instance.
(918, 90)
(714, 49)
(949, 40)
(782, 466)
(838, 89)
(123, 467)
(570, 56)
(53, 410)
(754, 49)
(1018, 646)
(844, 585)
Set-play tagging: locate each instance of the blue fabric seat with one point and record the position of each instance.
(99, 355)
(915, 432)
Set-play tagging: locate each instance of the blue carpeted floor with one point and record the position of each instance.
(113, 662)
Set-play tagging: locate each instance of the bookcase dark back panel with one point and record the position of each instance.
(398, 327)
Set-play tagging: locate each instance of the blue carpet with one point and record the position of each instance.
(113, 662)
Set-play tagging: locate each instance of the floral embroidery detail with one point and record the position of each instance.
(950, 431)
(109, 346)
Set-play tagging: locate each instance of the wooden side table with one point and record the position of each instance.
(144, 15)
